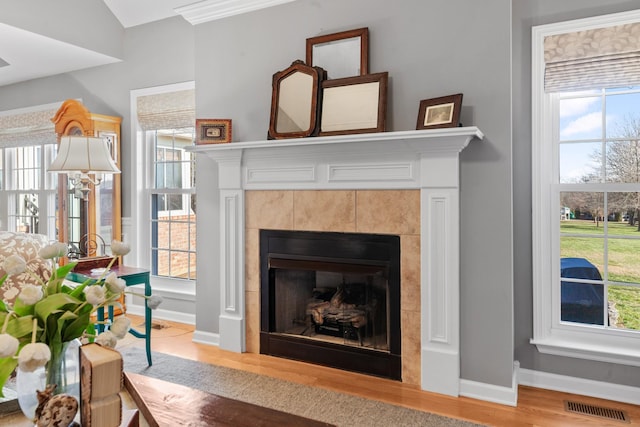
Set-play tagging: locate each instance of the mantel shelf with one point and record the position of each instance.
(436, 140)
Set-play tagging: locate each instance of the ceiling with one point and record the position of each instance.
(25, 55)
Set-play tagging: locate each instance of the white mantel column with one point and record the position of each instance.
(440, 276)
(232, 309)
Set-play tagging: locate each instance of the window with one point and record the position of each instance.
(27, 191)
(166, 199)
(172, 213)
(586, 191)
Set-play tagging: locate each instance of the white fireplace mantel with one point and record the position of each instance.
(427, 160)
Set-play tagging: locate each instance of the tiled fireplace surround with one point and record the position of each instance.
(401, 183)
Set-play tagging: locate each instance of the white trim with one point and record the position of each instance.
(210, 10)
(549, 334)
(580, 386)
(493, 393)
(160, 314)
(208, 338)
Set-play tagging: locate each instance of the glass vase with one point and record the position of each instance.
(63, 369)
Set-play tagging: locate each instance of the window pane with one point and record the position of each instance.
(580, 118)
(623, 161)
(173, 237)
(623, 115)
(26, 213)
(623, 213)
(582, 301)
(25, 168)
(580, 162)
(589, 248)
(624, 307)
(585, 207)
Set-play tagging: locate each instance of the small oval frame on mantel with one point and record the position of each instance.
(294, 102)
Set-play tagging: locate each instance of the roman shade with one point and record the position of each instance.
(171, 110)
(27, 128)
(598, 58)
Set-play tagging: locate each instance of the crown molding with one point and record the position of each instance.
(210, 10)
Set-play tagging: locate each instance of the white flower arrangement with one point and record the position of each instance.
(44, 317)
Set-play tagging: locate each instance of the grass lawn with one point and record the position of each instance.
(623, 264)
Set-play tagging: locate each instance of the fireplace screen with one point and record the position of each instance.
(332, 299)
(333, 302)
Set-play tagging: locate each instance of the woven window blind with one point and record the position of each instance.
(31, 128)
(171, 110)
(602, 57)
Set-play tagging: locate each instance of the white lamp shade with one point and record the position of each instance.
(84, 154)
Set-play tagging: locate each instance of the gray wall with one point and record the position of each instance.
(526, 14)
(430, 48)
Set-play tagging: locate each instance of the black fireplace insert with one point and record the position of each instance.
(332, 299)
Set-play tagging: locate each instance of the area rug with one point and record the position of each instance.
(310, 402)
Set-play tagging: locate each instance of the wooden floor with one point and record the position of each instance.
(536, 407)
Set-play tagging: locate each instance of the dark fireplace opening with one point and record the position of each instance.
(332, 299)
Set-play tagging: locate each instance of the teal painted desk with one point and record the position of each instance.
(131, 276)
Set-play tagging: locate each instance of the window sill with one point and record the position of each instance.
(591, 346)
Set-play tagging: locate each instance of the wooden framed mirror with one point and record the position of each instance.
(295, 100)
(354, 105)
(343, 54)
(89, 225)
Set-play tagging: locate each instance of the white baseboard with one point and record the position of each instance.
(208, 338)
(492, 393)
(160, 314)
(563, 383)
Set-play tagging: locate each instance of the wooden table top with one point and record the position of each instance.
(164, 404)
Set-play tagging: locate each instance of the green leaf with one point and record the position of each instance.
(7, 366)
(91, 331)
(20, 327)
(78, 292)
(22, 309)
(3, 307)
(53, 336)
(57, 278)
(76, 327)
(55, 302)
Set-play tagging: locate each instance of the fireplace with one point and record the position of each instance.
(332, 299)
(352, 170)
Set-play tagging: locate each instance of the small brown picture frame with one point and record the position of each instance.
(442, 112)
(213, 131)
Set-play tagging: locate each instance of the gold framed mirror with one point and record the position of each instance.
(295, 100)
(89, 225)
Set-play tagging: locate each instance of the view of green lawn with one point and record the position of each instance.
(623, 261)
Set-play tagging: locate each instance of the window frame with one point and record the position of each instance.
(142, 179)
(549, 334)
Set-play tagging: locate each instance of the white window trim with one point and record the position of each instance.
(140, 230)
(549, 334)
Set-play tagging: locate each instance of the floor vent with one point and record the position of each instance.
(596, 411)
